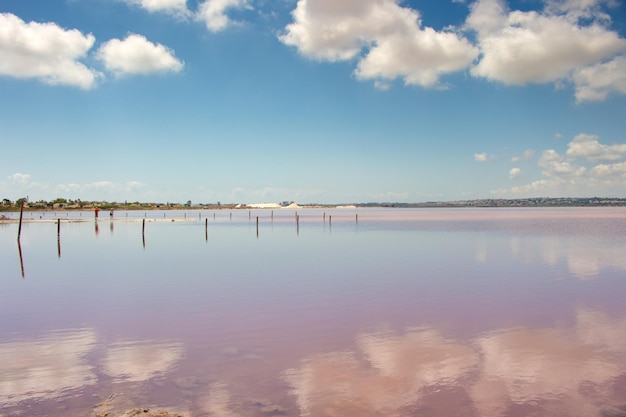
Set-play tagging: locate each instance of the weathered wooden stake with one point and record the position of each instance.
(272, 215)
(231, 216)
(330, 220)
(257, 226)
(59, 228)
(19, 228)
(143, 226)
(357, 218)
(206, 229)
(324, 217)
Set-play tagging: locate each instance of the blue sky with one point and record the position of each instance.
(321, 101)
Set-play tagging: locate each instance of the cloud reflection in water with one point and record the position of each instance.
(136, 361)
(47, 367)
(520, 371)
(583, 259)
(63, 361)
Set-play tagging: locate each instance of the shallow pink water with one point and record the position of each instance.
(473, 312)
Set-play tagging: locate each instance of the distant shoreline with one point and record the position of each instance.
(103, 206)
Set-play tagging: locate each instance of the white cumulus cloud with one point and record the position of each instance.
(587, 167)
(388, 40)
(528, 154)
(46, 52)
(480, 157)
(605, 171)
(213, 13)
(589, 147)
(172, 7)
(514, 173)
(137, 55)
(520, 47)
(596, 82)
(20, 179)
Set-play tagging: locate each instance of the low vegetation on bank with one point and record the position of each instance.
(68, 204)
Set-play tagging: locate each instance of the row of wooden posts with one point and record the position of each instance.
(206, 222)
(143, 229)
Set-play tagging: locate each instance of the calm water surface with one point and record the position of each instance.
(468, 312)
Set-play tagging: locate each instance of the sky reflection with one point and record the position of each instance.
(46, 367)
(136, 361)
(518, 371)
(502, 313)
(61, 362)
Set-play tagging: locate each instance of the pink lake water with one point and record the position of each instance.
(405, 312)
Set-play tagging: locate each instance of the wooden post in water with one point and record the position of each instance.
(206, 229)
(143, 226)
(257, 226)
(272, 215)
(330, 220)
(19, 228)
(357, 218)
(324, 217)
(231, 215)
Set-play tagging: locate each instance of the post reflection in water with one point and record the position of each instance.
(97, 229)
(19, 250)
